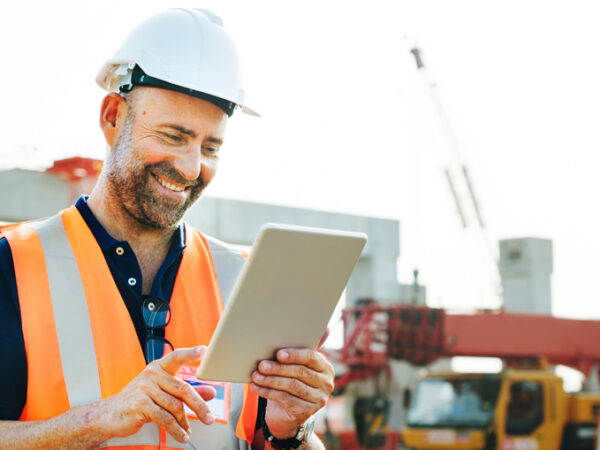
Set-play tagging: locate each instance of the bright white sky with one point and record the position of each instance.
(349, 126)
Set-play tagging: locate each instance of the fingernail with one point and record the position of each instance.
(266, 365)
(283, 355)
(186, 438)
(258, 376)
(209, 418)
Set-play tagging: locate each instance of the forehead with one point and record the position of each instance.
(154, 106)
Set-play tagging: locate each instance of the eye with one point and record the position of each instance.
(211, 149)
(171, 137)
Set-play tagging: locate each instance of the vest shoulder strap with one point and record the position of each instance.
(228, 262)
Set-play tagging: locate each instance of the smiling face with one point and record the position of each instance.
(166, 153)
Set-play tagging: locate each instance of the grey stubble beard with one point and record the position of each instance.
(129, 185)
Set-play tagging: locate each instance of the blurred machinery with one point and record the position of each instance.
(377, 337)
(522, 407)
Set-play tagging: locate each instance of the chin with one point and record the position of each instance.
(165, 215)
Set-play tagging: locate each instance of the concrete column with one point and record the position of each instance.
(526, 266)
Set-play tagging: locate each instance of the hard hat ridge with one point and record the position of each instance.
(208, 13)
(187, 50)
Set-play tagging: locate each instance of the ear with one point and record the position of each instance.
(112, 117)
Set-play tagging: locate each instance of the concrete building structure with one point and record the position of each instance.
(525, 267)
(41, 194)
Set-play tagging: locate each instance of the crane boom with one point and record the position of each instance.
(421, 335)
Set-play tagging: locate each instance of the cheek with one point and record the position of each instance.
(209, 169)
(150, 151)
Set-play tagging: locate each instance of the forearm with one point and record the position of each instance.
(74, 429)
(124, 413)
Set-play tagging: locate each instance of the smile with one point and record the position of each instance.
(170, 186)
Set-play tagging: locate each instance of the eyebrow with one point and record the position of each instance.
(181, 129)
(214, 140)
(191, 133)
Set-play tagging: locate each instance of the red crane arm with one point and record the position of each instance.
(570, 342)
(421, 335)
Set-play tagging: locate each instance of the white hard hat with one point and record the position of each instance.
(185, 50)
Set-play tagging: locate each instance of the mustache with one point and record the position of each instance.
(170, 173)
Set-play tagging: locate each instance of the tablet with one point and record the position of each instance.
(284, 297)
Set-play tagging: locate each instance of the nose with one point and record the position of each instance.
(189, 163)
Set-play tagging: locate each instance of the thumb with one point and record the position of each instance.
(323, 339)
(177, 358)
(206, 392)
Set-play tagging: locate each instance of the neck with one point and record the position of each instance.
(150, 245)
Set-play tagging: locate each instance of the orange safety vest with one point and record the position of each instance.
(80, 342)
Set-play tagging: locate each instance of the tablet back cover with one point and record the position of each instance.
(284, 297)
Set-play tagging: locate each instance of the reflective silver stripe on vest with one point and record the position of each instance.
(228, 263)
(73, 328)
(149, 434)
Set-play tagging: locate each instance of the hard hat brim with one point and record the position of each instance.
(108, 79)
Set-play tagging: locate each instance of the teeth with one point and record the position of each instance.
(169, 185)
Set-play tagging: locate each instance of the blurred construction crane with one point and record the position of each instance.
(457, 176)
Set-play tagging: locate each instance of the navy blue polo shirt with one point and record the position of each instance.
(128, 277)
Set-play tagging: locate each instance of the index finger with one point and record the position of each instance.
(303, 356)
(177, 358)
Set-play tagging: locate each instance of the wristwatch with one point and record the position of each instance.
(301, 437)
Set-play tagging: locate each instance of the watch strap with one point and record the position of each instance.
(279, 444)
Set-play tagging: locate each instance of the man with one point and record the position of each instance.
(90, 298)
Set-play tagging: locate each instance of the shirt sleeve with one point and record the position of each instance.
(13, 376)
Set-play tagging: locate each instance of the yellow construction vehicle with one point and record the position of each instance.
(524, 407)
(513, 410)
